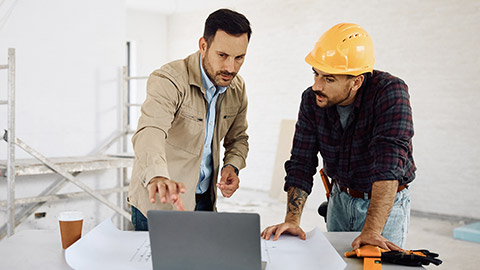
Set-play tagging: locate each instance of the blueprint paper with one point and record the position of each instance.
(106, 247)
(290, 252)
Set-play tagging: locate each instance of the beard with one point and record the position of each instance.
(330, 102)
(221, 78)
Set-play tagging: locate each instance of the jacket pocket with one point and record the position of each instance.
(227, 117)
(187, 131)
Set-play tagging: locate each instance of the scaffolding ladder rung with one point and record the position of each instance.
(3, 102)
(69, 164)
(3, 66)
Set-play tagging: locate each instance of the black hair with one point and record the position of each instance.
(232, 22)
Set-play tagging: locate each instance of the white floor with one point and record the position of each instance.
(424, 233)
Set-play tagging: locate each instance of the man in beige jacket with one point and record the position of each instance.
(191, 106)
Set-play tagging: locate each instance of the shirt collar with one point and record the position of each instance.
(207, 83)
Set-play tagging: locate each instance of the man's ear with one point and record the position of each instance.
(202, 45)
(357, 82)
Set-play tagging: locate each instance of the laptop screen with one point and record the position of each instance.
(204, 240)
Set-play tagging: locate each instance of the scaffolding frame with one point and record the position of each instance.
(67, 168)
(10, 134)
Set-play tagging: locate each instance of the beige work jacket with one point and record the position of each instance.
(170, 137)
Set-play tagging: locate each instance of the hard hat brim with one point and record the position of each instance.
(330, 70)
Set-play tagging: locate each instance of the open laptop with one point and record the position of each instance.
(204, 240)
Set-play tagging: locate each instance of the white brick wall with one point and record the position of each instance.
(432, 45)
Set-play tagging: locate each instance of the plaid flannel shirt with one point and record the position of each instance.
(375, 145)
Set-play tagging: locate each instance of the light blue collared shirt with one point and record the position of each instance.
(206, 167)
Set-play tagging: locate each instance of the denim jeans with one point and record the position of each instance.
(346, 213)
(140, 223)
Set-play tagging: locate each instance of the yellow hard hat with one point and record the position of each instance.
(345, 48)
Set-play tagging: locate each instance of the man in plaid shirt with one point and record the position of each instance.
(360, 121)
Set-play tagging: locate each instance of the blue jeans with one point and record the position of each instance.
(140, 223)
(346, 213)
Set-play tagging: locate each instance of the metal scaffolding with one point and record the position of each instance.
(68, 168)
(10, 102)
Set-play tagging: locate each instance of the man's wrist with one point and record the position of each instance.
(235, 168)
(292, 220)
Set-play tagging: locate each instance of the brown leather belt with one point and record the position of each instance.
(361, 195)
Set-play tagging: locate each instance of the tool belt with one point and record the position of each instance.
(374, 255)
(363, 195)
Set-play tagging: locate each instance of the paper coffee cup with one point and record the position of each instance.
(70, 227)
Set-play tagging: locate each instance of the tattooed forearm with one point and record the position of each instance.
(295, 204)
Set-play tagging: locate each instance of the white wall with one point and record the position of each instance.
(147, 33)
(68, 59)
(432, 45)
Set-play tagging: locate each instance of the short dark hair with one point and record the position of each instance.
(232, 22)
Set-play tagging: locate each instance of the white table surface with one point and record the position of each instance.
(33, 249)
(42, 249)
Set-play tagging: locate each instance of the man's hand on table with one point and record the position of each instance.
(279, 229)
